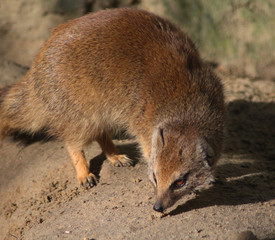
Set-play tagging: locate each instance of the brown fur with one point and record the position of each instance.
(123, 68)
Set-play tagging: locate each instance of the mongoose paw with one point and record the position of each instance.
(121, 161)
(89, 181)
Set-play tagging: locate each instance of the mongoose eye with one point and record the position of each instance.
(179, 183)
(154, 176)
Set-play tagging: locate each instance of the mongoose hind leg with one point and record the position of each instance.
(112, 153)
(86, 179)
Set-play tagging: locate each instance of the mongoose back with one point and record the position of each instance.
(124, 68)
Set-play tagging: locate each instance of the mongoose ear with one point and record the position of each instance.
(157, 140)
(205, 151)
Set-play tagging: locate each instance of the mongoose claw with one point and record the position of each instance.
(89, 181)
(121, 161)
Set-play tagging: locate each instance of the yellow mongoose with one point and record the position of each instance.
(128, 68)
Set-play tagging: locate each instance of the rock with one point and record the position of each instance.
(246, 235)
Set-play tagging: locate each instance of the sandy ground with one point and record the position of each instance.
(40, 197)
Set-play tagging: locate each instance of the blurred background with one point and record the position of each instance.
(237, 35)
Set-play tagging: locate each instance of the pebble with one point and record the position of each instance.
(246, 235)
(156, 215)
(137, 180)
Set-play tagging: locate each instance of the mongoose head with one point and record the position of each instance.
(181, 162)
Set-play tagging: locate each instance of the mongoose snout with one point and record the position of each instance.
(158, 207)
(124, 68)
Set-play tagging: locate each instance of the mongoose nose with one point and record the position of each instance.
(158, 207)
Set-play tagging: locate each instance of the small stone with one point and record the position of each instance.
(137, 180)
(155, 215)
(246, 235)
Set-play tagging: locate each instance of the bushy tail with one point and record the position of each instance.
(11, 112)
(3, 127)
(19, 110)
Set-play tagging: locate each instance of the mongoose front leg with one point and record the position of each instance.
(112, 152)
(83, 174)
